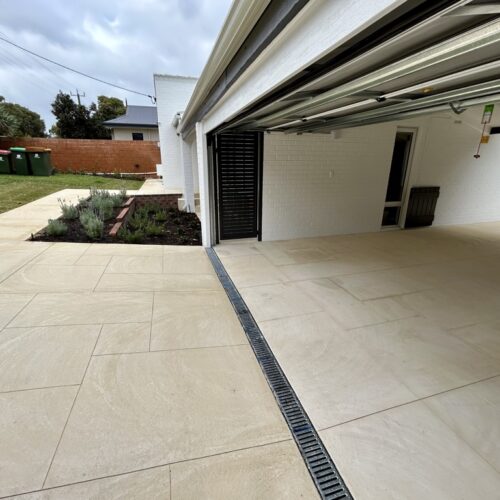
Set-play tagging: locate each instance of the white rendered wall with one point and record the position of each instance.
(125, 134)
(320, 27)
(172, 96)
(318, 184)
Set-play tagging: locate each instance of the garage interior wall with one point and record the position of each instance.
(319, 184)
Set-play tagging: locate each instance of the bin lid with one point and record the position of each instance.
(34, 149)
(4, 152)
(18, 149)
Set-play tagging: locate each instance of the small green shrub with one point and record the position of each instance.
(161, 216)
(69, 211)
(152, 229)
(56, 227)
(131, 236)
(104, 206)
(92, 224)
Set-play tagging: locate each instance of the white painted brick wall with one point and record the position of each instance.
(172, 96)
(301, 199)
(470, 188)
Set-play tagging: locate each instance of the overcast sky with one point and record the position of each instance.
(122, 41)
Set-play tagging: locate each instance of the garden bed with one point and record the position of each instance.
(116, 218)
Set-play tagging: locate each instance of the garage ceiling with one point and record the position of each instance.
(451, 59)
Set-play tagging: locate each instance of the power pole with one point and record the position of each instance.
(78, 95)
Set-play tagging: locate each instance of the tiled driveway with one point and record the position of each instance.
(392, 343)
(124, 373)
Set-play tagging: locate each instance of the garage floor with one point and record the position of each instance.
(392, 343)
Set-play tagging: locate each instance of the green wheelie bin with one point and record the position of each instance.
(5, 167)
(20, 164)
(39, 161)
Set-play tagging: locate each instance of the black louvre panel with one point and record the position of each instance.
(237, 175)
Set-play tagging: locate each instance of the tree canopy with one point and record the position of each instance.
(76, 121)
(19, 121)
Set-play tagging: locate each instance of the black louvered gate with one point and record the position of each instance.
(238, 190)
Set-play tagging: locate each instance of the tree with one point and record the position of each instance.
(79, 122)
(20, 121)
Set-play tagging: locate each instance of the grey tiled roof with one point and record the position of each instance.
(144, 116)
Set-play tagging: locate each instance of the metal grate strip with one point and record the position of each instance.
(325, 475)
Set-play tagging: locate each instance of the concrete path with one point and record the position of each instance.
(392, 342)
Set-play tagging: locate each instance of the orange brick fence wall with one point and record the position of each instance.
(88, 155)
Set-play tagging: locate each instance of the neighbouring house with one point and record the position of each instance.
(319, 118)
(172, 95)
(139, 123)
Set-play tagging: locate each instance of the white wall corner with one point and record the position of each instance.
(202, 154)
(187, 168)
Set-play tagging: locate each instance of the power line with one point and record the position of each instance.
(153, 98)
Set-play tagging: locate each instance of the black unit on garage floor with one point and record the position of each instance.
(238, 166)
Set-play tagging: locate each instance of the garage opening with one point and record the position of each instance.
(238, 179)
(398, 178)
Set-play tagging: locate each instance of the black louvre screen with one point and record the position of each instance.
(237, 158)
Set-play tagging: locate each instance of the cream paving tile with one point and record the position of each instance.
(461, 304)
(325, 269)
(484, 336)
(278, 301)
(159, 282)
(473, 412)
(408, 453)
(17, 255)
(252, 270)
(45, 356)
(426, 358)
(194, 319)
(135, 264)
(224, 250)
(86, 309)
(187, 263)
(335, 378)
(350, 312)
(274, 471)
(62, 254)
(93, 260)
(122, 249)
(140, 410)
(47, 278)
(151, 484)
(123, 337)
(10, 305)
(378, 284)
(31, 423)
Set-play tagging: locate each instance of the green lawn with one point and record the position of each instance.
(17, 190)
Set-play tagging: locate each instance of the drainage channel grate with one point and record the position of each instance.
(321, 467)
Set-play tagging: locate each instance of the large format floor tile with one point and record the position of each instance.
(43, 278)
(158, 282)
(273, 471)
(409, 453)
(45, 356)
(484, 336)
(278, 301)
(141, 410)
(349, 311)
(334, 377)
(473, 412)
(195, 261)
(135, 264)
(150, 484)
(123, 338)
(10, 305)
(31, 424)
(252, 270)
(86, 309)
(424, 357)
(195, 319)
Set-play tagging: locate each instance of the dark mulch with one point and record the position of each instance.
(180, 228)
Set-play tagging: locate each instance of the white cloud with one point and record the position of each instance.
(121, 41)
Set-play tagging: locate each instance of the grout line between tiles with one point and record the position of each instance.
(169, 350)
(409, 402)
(25, 263)
(39, 388)
(71, 409)
(187, 460)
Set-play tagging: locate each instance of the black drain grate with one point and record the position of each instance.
(321, 467)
